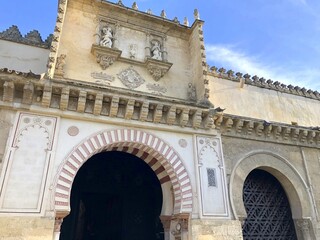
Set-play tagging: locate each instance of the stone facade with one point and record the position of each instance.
(150, 95)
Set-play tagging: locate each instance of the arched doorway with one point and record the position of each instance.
(268, 211)
(115, 195)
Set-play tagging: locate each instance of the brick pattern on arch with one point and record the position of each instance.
(162, 158)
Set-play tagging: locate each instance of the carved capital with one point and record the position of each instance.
(166, 220)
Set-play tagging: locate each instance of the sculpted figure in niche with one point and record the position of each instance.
(192, 95)
(107, 37)
(156, 50)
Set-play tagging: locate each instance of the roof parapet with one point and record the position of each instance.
(262, 82)
(32, 38)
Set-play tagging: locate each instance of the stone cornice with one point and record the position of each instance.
(99, 101)
(255, 129)
(263, 83)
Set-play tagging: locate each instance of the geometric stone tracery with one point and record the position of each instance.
(268, 210)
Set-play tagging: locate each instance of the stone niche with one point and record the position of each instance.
(26, 164)
(111, 45)
(214, 199)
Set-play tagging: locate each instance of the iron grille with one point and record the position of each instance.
(268, 210)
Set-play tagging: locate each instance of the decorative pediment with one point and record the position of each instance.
(157, 68)
(105, 56)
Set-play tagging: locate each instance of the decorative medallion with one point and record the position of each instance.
(73, 131)
(130, 78)
(183, 143)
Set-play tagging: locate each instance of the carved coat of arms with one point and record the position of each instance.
(130, 78)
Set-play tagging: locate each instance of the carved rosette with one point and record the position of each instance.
(105, 56)
(130, 78)
(157, 68)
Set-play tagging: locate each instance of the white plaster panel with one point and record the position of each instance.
(214, 197)
(24, 58)
(27, 167)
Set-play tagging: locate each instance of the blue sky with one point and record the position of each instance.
(277, 39)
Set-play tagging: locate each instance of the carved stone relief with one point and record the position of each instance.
(156, 88)
(102, 78)
(157, 68)
(133, 48)
(192, 93)
(130, 78)
(61, 62)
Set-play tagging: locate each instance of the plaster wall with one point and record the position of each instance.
(26, 228)
(24, 58)
(216, 230)
(261, 103)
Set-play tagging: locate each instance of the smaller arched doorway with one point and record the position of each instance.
(268, 211)
(115, 195)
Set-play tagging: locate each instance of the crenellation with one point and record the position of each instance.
(263, 83)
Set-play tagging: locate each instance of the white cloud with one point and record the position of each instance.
(229, 57)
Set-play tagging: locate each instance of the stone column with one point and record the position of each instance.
(147, 48)
(166, 222)
(304, 226)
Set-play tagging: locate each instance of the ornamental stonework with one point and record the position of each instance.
(130, 78)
